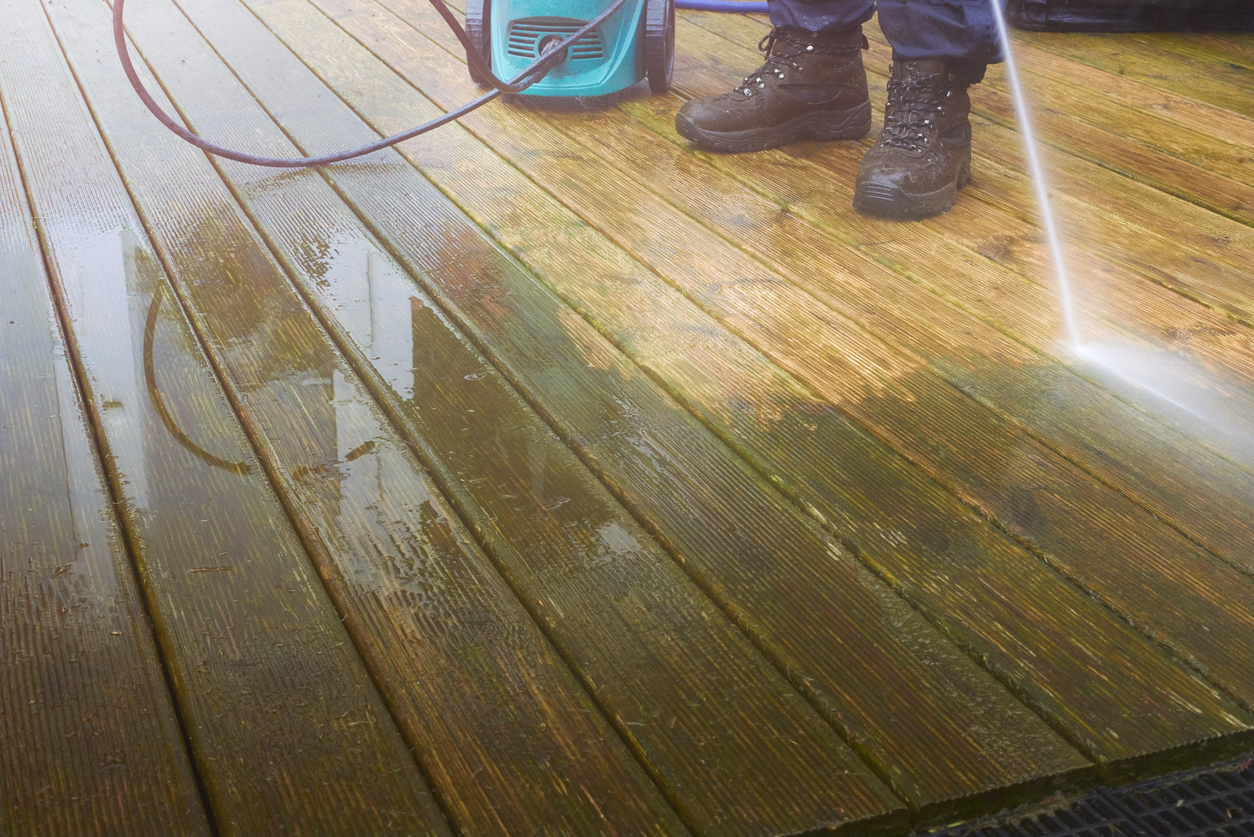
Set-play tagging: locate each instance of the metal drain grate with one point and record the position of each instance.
(1216, 803)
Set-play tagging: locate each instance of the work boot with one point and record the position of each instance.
(923, 155)
(812, 85)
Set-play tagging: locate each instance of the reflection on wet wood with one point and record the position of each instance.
(548, 476)
(507, 734)
(1036, 606)
(708, 507)
(91, 744)
(284, 724)
(590, 572)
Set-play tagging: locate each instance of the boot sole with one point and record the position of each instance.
(893, 202)
(824, 126)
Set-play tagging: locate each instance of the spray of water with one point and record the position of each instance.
(1179, 388)
(1184, 394)
(1038, 179)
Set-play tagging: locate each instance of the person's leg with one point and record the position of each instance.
(820, 15)
(961, 32)
(812, 84)
(923, 154)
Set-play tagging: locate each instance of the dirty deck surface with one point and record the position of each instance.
(547, 476)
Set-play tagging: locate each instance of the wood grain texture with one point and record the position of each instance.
(536, 314)
(1194, 165)
(532, 319)
(1162, 61)
(759, 297)
(511, 740)
(1134, 120)
(1199, 490)
(950, 438)
(1201, 493)
(89, 740)
(286, 728)
(656, 491)
(1112, 296)
(659, 657)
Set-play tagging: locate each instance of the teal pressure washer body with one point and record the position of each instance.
(636, 43)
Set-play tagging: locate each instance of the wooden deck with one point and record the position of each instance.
(547, 476)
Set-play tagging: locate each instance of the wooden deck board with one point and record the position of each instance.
(499, 722)
(931, 327)
(645, 481)
(534, 319)
(1154, 60)
(709, 652)
(634, 402)
(605, 208)
(91, 743)
(1114, 296)
(285, 726)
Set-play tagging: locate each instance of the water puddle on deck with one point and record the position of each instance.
(1170, 386)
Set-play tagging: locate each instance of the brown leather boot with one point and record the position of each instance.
(812, 85)
(923, 155)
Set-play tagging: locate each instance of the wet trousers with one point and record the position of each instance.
(964, 32)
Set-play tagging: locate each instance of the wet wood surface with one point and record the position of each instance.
(89, 727)
(545, 475)
(726, 496)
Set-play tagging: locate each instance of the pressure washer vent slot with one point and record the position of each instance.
(526, 34)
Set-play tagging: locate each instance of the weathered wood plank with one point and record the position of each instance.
(815, 188)
(1231, 48)
(1220, 127)
(1201, 493)
(1212, 173)
(1236, 47)
(1132, 229)
(89, 740)
(1140, 57)
(1119, 114)
(1153, 313)
(772, 239)
(628, 214)
(426, 75)
(1209, 47)
(286, 729)
(1168, 241)
(1207, 171)
(542, 355)
(660, 658)
(511, 740)
(1209, 264)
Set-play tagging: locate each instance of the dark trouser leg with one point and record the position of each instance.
(962, 32)
(820, 15)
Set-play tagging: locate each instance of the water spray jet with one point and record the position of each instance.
(1066, 302)
(1183, 391)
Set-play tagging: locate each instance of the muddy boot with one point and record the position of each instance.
(812, 85)
(923, 155)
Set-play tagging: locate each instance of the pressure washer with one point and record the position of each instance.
(544, 47)
(638, 43)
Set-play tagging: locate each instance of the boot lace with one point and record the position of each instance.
(782, 48)
(910, 116)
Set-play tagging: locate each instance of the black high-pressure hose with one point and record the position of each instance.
(533, 73)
